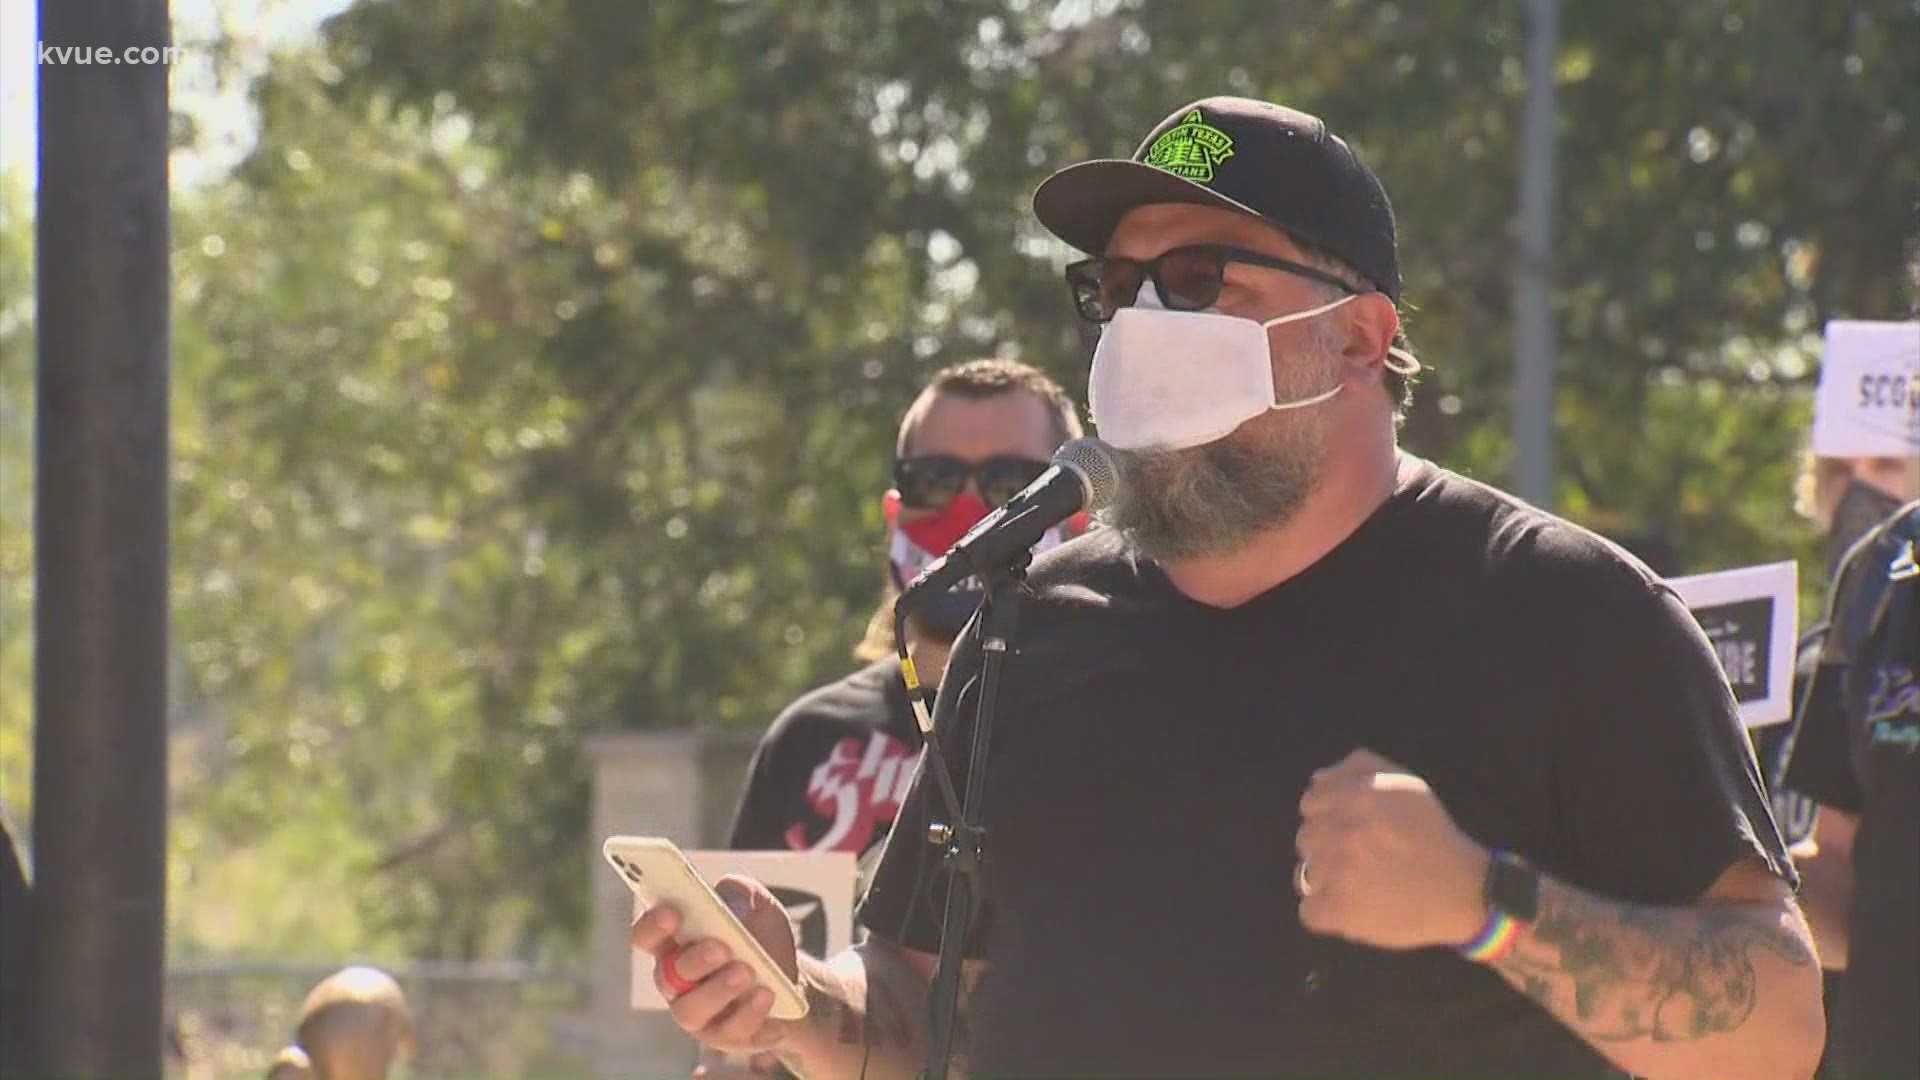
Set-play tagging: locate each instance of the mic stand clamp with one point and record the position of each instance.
(962, 842)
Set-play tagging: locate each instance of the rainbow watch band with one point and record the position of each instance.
(1495, 939)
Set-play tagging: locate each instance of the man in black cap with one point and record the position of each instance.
(1321, 761)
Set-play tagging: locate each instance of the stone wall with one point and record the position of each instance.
(677, 784)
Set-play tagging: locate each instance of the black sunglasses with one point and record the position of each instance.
(930, 481)
(1187, 278)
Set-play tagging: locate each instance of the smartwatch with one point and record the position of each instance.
(1512, 892)
(1513, 886)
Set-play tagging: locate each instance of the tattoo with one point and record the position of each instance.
(884, 1023)
(886, 1019)
(895, 1019)
(1624, 972)
(852, 1031)
(881, 1024)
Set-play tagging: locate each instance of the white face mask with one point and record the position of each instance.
(1175, 379)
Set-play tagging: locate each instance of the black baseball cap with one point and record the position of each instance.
(1277, 164)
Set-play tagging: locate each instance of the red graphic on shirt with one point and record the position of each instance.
(858, 789)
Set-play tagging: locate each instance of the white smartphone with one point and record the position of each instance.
(657, 872)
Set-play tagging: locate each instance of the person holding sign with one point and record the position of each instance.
(1866, 429)
(1859, 470)
(1321, 760)
(1857, 752)
(1848, 496)
(1864, 463)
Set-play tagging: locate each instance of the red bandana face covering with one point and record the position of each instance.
(941, 531)
(916, 544)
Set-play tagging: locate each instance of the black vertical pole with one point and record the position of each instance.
(100, 541)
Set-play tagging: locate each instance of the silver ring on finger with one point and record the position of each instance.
(1300, 883)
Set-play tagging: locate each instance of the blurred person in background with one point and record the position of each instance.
(354, 1025)
(1845, 498)
(830, 772)
(1856, 752)
(291, 1063)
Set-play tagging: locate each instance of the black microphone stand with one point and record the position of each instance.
(962, 840)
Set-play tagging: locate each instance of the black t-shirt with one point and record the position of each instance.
(1830, 748)
(1150, 753)
(1793, 811)
(1859, 750)
(830, 773)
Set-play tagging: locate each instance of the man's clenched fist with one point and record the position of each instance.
(1382, 863)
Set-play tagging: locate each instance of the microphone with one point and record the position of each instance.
(1083, 476)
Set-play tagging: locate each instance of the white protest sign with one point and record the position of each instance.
(816, 887)
(1752, 617)
(1868, 404)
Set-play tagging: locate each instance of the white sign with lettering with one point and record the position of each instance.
(1868, 404)
(1751, 615)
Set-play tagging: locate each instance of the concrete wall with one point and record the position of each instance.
(677, 784)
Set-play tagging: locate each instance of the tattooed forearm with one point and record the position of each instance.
(1619, 972)
(885, 1023)
(865, 1017)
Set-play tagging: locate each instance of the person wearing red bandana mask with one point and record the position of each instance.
(936, 499)
(831, 771)
(828, 774)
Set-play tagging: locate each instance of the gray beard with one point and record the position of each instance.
(1214, 498)
(1211, 499)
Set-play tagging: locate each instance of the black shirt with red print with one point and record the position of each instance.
(830, 773)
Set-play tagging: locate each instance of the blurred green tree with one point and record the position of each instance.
(537, 371)
(1734, 174)
(16, 499)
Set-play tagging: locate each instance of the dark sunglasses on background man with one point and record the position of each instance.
(930, 481)
(1187, 278)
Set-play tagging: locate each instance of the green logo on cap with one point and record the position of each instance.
(1191, 149)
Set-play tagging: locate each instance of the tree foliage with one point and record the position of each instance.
(536, 373)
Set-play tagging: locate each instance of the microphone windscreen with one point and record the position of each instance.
(1093, 460)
